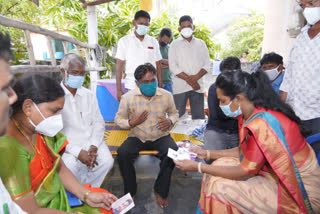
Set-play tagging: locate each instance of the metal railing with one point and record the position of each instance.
(90, 50)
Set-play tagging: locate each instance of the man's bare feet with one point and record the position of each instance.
(162, 202)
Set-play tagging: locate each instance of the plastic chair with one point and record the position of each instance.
(313, 139)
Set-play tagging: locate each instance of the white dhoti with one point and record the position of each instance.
(94, 176)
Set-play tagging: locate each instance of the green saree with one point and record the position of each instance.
(23, 172)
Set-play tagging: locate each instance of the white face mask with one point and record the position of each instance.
(312, 15)
(186, 32)
(272, 73)
(142, 30)
(48, 126)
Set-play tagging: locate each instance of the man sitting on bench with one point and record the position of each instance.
(149, 112)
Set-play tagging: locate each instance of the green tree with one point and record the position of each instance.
(246, 35)
(23, 10)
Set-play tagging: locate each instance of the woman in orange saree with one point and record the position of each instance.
(32, 169)
(273, 170)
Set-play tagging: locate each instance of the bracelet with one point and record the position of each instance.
(199, 167)
(85, 197)
(208, 155)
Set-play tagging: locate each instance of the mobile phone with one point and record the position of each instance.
(73, 200)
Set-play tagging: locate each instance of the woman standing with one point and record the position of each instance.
(273, 170)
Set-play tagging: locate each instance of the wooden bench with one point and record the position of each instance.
(114, 136)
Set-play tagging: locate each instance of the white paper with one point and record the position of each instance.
(123, 205)
(172, 154)
(181, 154)
(187, 126)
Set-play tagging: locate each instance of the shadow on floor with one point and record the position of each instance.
(184, 191)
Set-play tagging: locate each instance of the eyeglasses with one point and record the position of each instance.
(311, 3)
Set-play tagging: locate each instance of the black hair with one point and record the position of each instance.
(5, 46)
(38, 88)
(141, 70)
(246, 52)
(185, 18)
(166, 32)
(271, 58)
(142, 13)
(257, 88)
(230, 63)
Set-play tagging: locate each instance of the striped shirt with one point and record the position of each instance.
(161, 104)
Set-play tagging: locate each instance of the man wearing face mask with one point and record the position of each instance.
(149, 112)
(87, 155)
(164, 40)
(272, 65)
(301, 83)
(189, 61)
(7, 97)
(135, 49)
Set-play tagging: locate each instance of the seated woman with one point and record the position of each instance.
(31, 167)
(273, 170)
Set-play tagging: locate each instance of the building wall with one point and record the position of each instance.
(281, 16)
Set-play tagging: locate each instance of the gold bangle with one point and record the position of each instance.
(208, 155)
(85, 197)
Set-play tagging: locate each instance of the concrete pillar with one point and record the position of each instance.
(93, 39)
(280, 16)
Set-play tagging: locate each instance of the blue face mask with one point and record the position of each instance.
(227, 111)
(142, 30)
(74, 81)
(148, 89)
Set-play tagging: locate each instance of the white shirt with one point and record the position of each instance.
(6, 201)
(82, 121)
(302, 77)
(190, 58)
(135, 52)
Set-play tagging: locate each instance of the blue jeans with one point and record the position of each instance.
(168, 87)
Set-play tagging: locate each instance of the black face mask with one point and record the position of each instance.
(162, 44)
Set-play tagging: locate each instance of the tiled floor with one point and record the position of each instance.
(184, 191)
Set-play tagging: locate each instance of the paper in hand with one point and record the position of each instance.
(123, 205)
(172, 154)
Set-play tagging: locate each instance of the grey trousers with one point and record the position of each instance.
(196, 103)
(214, 140)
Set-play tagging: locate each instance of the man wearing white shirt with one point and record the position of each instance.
(86, 155)
(189, 61)
(136, 49)
(300, 87)
(7, 98)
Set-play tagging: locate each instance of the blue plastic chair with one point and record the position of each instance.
(312, 139)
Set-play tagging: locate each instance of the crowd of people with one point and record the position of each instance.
(256, 156)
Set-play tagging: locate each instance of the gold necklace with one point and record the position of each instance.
(20, 129)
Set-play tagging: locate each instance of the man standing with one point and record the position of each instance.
(188, 61)
(164, 40)
(149, 112)
(272, 65)
(301, 84)
(87, 155)
(7, 98)
(136, 49)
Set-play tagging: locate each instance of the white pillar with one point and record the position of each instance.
(93, 39)
(280, 16)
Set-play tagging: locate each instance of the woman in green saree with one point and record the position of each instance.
(31, 168)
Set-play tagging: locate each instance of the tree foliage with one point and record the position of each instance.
(23, 10)
(246, 35)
